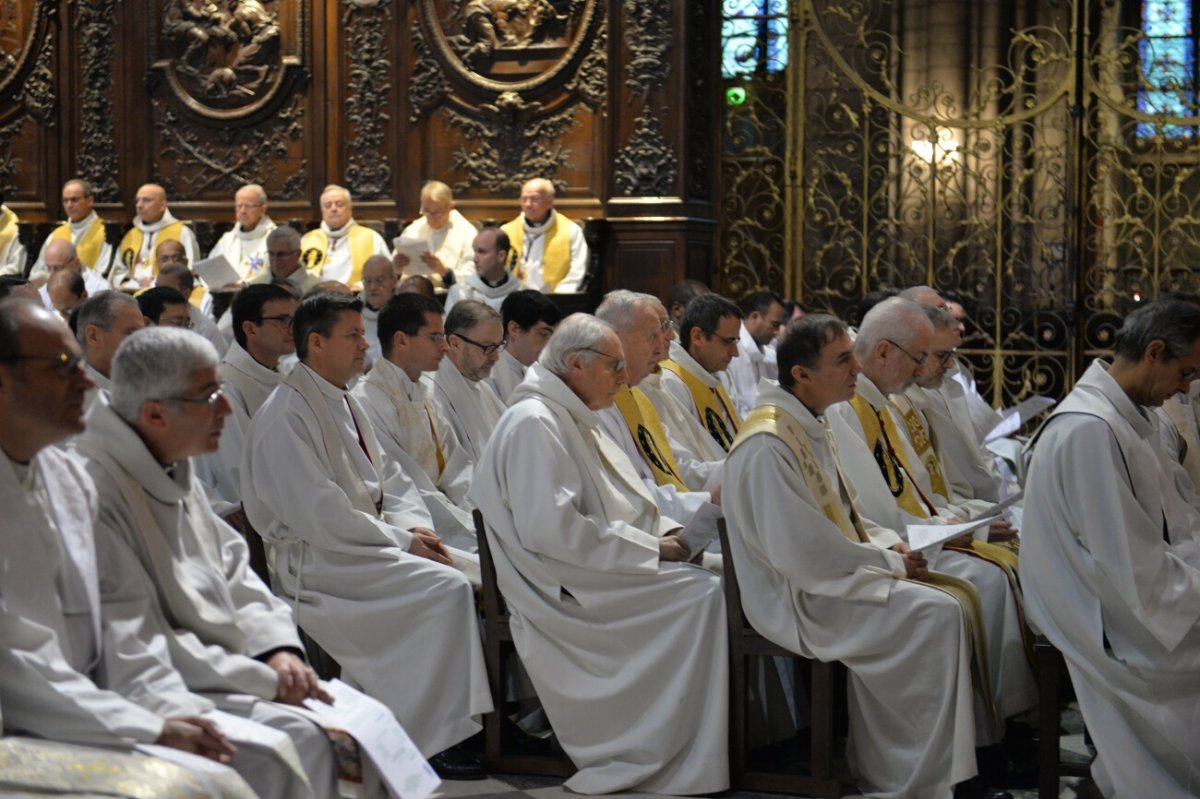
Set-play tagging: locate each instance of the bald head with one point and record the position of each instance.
(893, 344)
(151, 203)
(60, 254)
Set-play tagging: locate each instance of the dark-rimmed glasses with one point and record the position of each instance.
(918, 361)
(618, 363)
(487, 349)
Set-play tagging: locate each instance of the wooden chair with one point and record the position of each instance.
(746, 643)
(1051, 766)
(497, 646)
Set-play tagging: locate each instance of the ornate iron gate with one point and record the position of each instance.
(1046, 189)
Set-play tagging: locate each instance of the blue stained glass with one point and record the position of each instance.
(1168, 63)
(1167, 18)
(754, 37)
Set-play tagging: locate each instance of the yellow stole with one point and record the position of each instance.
(649, 435)
(314, 248)
(89, 245)
(8, 228)
(131, 244)
(881, 431)
(441, 458)
(712, 405)
(775, 421)
(556, 256)
(923, 441)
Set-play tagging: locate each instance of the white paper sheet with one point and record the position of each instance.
(698, 533)
(924, 536)
(414, 249)
(1000, 507)
(1018, 415)
(381, 738)
(216, 272)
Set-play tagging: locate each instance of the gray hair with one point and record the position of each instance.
(101, 310)
(332, 187)
(257, 189)
(917, 293)
(578, 333)
(895, 318)
(156, 363)
(942, 320)
(468, 313)
(84, 186)
(284, 234)
(619, 308)
(1174, 322)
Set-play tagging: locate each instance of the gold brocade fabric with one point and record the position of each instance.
(36, 767)
(131, 245)
(923, 442)
(881, 431)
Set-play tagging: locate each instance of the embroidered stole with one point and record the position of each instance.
(90, 243)
(556, 255)
(712, 404)
(131, 245)
(881, 431)
(921, 435)
(8, 229)
(314, 251)
(649, 435)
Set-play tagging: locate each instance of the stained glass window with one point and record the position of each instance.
(1167, 53)
(754, 37)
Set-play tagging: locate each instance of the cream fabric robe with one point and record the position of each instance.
(1180, 432)
(809, 589)
(473, 288)
(245, 251)
(746, 370)
(1120, 603)
(947, 410)
(506, 375)
(673, 385)
(1013, 686)
(56, 641)
(471, 407)
(452, 244)
(983, 416)
(534, 251)
(172, 570)
(690, 441)
(628, 655)
(400, 416)
(402, 627)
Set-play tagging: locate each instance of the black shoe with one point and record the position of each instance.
(455, 764)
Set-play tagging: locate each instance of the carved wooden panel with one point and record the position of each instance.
(27, 93)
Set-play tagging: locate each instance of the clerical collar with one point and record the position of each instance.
(504, 276)
(538, 227)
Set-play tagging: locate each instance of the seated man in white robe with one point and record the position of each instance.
(410, 428)
(378, 286)
(625, 645)
(549, 252)
(338, 249)
(475, 338)
(491, 282)
(283, 262)
(892, 345)
(529, 319)
(372, 584)
(102, 323)
(450, 258)
(179, 277)
(262, 328)
(65, 291)
(696, 375)
(764, 318)
(813, 581)
(245, 246)
(62, 256)
(1109, 558)
(59, 659)
(170, 568)
(84, 230)
(136, 263)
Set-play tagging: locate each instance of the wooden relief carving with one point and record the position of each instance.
(230, 59)
(368, 172)
(26, 81)
(97, 149)
(509, 74)
(647, 164)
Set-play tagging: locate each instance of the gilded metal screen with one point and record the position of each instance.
(1043, 186)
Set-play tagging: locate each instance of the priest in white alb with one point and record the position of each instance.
(245, 246)
(529, 319)
(448, 233)
(624, 643)
(84, 229)
(490, 282)
(371, 583)
(338, 248)
(1109, 558)
(101, 324)
(135, 265)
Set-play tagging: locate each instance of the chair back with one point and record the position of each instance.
(493, 602)
(733, 593)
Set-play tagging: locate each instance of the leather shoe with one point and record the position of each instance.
(455, 764)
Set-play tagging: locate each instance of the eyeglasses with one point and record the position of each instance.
(211, 400)
(182, 323)
(487, 349)
(946, 356)
(664, 325)
(918, 361)
(618, 363)
(438, 338)
(64, 364)
(728, 342)
(284, 320)
(377, 281)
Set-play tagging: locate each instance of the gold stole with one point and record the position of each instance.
(131, 245)
(881, 430)
(437, 445)
(922, 438)
(772, 420)
(556, 255)
(712, 405)
(649, 435)
(8, 228)
(90, 243)
(314, 251)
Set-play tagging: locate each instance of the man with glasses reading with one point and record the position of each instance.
(475, 338)
(245, 246)
(893, 345)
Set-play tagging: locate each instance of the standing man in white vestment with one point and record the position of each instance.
(448, 232)
(338, 249)
(529, 319)
(814, 583)
(764, 318)
(378, 286)
(1109, 559)
(625, 645)
(411, 430)
(459, 388)
(491, 282)
(83, 229)
(696, 373)
(102, 323)
(245, 246)
(371, 583)
(170, 568)
(54, 645)
(893, 345)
